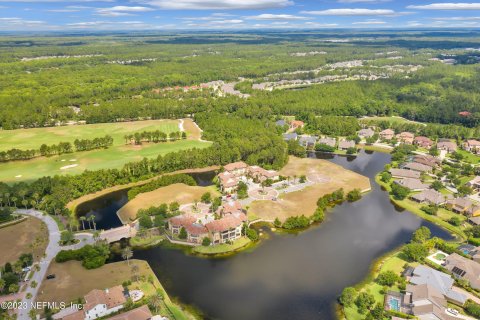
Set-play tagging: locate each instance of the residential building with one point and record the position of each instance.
(423, 142)
(405, 137)
(415, 166)
(101, 303)
(474, 220)
(459, 205)
(464, 268)
(332, 142)
(404, 173)
(423, 275)
(431, 196)
(473, 211)
(230, 208)
(236, 168)
(447, 145)
(307, 141)
(297, 124)
(281, 123)
(195, 231)
(366, 133)
(387, 134)
(228, 182)
(226, 229)
(346, 144)
(412, 184)
(474, 183)
(472, 145)
(141, 313)
(427, 160)
(290, 136)
(261, 174)
(427, 303)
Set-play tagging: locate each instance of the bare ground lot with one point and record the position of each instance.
(305, 201)
(193, 131)
(29, 236)
(178, 192)
(72, 281)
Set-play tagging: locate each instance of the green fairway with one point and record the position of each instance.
(113, 157)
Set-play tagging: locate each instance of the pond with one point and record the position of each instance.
(294, 276)
(105, 208)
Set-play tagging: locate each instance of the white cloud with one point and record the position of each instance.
(119, 11)
(218, 4)
(269, 16)
(448, 6)
(111, 25)
(362, 1)
(457, 18)
(21, 24)
(352, 12)
(369, 22)
(62, 10)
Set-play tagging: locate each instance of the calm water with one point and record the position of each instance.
(294, 276)
(105, 208)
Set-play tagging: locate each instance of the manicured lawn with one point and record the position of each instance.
(178, 192)
(28, 236)
(146, 241)
(305, 201)
(469, 157)
(223, 248)
(114, 157)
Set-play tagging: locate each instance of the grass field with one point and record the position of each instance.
(114, 157)
(72, 281)
(222, 248)
(305, 201)
(28, 236)
(178, 192)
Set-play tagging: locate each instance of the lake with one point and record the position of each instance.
(294, 276)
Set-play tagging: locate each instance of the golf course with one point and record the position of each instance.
(73, 163)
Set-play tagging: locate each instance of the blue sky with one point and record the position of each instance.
(57, 15)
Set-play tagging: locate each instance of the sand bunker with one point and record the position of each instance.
(68, 167)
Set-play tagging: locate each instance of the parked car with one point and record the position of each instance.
(452, 311)
(50, 276)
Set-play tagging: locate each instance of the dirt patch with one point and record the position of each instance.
(178, 192)
(305, 201)
(29, 236)
(72, 281)
(193, 131)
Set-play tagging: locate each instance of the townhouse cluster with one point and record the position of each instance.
(237, 172)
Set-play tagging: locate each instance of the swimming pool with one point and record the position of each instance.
(394, 304)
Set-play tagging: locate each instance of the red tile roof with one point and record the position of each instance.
(226, 223)
(235, 166)
(112, 297)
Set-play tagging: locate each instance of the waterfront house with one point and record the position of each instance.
(195, 231)
(346, 144)
(226, 229)
(472, 145)
(423, 142)
(405, 137)
(236, 168)
(387, 134)
(427, 160)
(404, 173)
(228, 182)
(447, 145)
(431, 196)
(307, 141)
(474, 221)
(412, 184)
(474, 184)
(463, 268)
(366, 133)
(415, 166)
(290, 136)
(459, 205)
(101, 303)
(140, 313)
(473, 211)
(331, 142)
(426, 302)
(423, 275)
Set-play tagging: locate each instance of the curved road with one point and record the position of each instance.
(52, 249)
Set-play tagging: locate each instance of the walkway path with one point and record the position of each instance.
(52, 249)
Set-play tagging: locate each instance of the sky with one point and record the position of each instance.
(97, 15)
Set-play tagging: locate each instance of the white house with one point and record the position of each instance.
(100, 303)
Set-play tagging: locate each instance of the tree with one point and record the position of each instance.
(351, 150)
(437, 185)
(277, 223)
(386, 177)
(183, 233)
(421, 235)
(206, 242)
(354, 195)
(415, 251)
(127, 253)
(456, 221)
(206, 197)
(252, 234)
(434, 151)
(399, 192)
(67, 237)
(2, 285)
(364, 302)
(348, 296)
(387, 278)
(155, 301)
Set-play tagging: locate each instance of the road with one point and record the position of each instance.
(52, 249)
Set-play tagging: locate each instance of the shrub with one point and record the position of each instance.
(348, 296)
(472, 308)
(415, 251)
(456, 221)
(431, 210)
(206, 242)
(387, 278)
(252, 234)
(299, 222)
(354, 195)
(183, 233)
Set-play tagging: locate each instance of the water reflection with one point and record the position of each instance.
(294, 276)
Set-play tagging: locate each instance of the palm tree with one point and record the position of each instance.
(82, 218)
(89, 222)
(7, 195)
(14, 200)
(2, 284)
(156, 301)
(25, 203)
(127, 253)
(135, 270)
(92, 217)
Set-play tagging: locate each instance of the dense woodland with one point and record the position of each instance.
(114, 77)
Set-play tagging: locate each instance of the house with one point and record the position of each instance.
(459, 205)
(226, 229)
(331, 142)
(195, 231)
(463, 268)
(236, 168)
(474, 183)
(100, 303)
(426, 302)
(281, 123)
(387, 134)
(474, 220)
(290, 136)
(140, 313)
(412, 184)
(404, 173)
(295, 124)
(228, 182)
(427, 160)
(442, 282)
(472, 145)
(405, 137)
(415, 166)
(261, 174)
(230, 208)
(473, 211)
(447, 145)
(366, 133)
(346, 144)
(423, 142)
(307, 141)
(430, 196)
